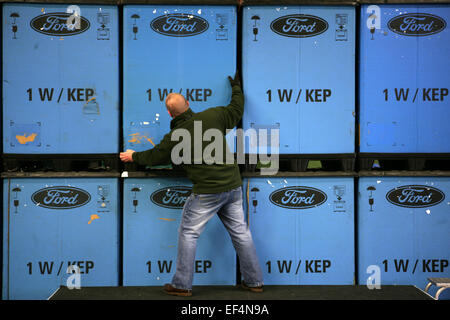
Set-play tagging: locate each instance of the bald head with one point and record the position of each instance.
(176, 104)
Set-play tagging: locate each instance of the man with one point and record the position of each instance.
(217, 189)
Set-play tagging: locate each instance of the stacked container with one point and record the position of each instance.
(403, 228)
(303, 229)
(60, 83)
(61, 104)
(404, 93)
(402, 219)
(59, 232)
(152, 216)
(299, 78)
(183, 49)
(189, 50)
(61, 99)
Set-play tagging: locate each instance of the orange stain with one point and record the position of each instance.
(24, 139)
(150, 140)
(93, 217)
(136, 138)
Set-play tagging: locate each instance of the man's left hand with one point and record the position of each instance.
(127, 156)
(236, 81)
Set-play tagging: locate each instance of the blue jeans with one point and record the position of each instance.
(197, 211)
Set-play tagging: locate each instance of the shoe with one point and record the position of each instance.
(169, 289)
(252, 289)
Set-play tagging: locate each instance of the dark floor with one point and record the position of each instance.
(236, 293)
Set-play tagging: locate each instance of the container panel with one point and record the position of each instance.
(303, 229)
(185, 49)
(60, 83)
(403, 91)
(152, 215)
(298, 73)
(51, 224)
(403, 229)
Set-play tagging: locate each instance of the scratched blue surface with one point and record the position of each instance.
(196, 65)
(308, 121)
(60, 92)
(399, 111)
(39, 243)
(408, 244)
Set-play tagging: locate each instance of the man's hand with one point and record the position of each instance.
(236, 81)
(127, 156)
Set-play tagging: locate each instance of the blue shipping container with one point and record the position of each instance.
(403, 230)
(404, 88)
(60, 81)
(50, 224)
(152, 215)
(184, 49)
(298, 76)
(303, 229)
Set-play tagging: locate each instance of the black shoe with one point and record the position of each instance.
(169, 289)
(252, 289)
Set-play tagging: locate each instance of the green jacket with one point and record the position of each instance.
(207, 178)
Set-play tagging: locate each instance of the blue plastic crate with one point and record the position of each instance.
(303, 229)
(152, 215)
(403, 229)
(404, 90)
(60, 85)
(186, 49)
(50, 224)
(298, 75)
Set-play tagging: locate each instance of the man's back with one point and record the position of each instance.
(198, 141)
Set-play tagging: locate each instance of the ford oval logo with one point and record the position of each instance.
(171, 197)
(55, 24)
(416, 24)
(299, 26)
(298, 197)
(179, 25)
(61, 197)
(415, 196)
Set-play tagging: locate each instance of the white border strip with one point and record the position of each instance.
(53, 293)
(425, 292)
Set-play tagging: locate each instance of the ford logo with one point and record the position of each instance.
(299, 26)
(171, 197)
(60, 197)
(415, 196)
(179, 25)
(298, 197)
(55, 24)
(417, 24)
